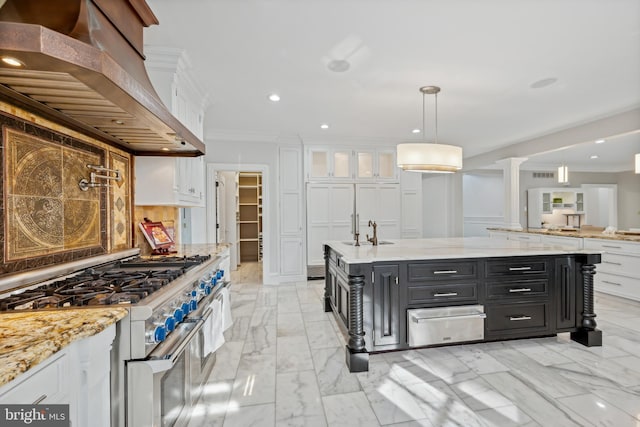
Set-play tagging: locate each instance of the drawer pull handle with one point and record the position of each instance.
(464, 316)
(519, 268)
(611, 262)
(520, 290)
(40, 399)
(446, 294)
(612, 247)
(517, 318)
(611, 283)
(445, 272)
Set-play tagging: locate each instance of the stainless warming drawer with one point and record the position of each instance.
(442, 325)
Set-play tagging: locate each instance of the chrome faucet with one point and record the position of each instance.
(374, 239)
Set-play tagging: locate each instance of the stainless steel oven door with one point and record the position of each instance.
(159, 387)
(201, 363)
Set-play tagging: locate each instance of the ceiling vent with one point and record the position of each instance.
(544, 175)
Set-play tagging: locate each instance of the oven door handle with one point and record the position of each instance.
(165, 356)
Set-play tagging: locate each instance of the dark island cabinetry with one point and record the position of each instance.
(382, 303)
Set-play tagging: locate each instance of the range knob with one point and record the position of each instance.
(178, 314)
(214, 280)
(169, 322)
(157, 335)
(193, 293)
(219, 273)
(185, 307)
(193, 304)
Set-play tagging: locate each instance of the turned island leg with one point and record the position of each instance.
(587, 333)
(356, 354)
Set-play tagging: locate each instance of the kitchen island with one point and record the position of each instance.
(386, 297)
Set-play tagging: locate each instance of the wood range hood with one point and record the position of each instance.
(81, 64)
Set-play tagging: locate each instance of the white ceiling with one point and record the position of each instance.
(485, 55)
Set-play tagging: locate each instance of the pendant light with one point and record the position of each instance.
(429, 157)
(563, 174)
(638, 163)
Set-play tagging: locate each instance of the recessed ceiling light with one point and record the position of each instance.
(117, 121)
(165, 149)
(543, 83)
(14, 62)
(274, 97)
(600, 141)
(595, 156)
(415, 131)
(324, 126)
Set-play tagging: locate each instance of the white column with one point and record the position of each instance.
(511, 177)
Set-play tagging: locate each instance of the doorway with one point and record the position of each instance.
(238, 215)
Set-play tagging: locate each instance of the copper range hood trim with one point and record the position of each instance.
(78, 83)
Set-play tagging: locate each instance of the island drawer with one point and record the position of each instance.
(516, 267)
(442, 271)
(518, 288)
(514, 318)
(438, 293)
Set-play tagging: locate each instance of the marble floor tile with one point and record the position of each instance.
(536, 351)
(290, 324)
(478, 395)
(298, 400)
(211, 408)
(264, 315)
(333, 375)
(293, 354)
(544, 380)
(238, 330)
(227, 360)
(260, 339)
(321, 335)
(445, 366)
(541, 409)
(442, 406)
(477, 359)
(252, 416)
(506, 416)
(349, 410)
(626, 400)
(255, 381)
(592, 407)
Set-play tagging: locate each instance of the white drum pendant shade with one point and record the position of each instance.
(429, 157)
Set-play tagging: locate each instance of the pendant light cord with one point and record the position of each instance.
(436, 117)
(424, 114)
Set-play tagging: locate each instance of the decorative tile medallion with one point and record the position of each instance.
(46, 212)
(120, 204)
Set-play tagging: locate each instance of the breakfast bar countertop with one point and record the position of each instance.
(28, 338)
(577, 233)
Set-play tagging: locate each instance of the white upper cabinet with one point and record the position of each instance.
(376, 165)
(329, 164)
(347, 164)
(170, 181)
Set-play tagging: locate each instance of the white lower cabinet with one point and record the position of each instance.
(77, 375)
(619, 272)
(572, 242)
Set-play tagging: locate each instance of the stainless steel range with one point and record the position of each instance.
(162, 353)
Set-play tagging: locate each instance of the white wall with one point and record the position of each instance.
(482, 201)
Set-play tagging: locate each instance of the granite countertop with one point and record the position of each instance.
(577, 233)
(442, 248)
(28, 338)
